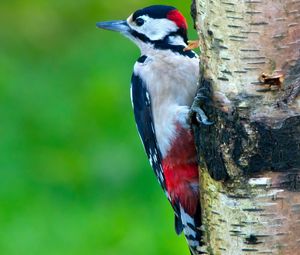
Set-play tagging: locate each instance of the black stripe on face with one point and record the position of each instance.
(140, 36)
(163, 44)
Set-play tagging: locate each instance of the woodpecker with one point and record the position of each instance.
(163, 85)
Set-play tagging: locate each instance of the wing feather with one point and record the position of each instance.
(141, 102)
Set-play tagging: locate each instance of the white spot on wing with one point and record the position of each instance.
(151, 162)
(155, 158)
(160, 176)
(131, 97)
(148, 97)
(152, 128)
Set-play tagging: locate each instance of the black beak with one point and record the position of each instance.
(115, 25)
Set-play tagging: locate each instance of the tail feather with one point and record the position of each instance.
(191, 229)
(178, 225)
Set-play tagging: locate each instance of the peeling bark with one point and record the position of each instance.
(249, 160)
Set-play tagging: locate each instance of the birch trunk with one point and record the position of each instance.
(249, 160)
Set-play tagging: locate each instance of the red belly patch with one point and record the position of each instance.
(181, 171)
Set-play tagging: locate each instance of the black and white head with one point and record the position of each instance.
(158, 26)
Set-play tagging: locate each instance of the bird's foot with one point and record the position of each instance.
(192, 45)
(198, 112)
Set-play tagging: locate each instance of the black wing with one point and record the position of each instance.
(141, 102)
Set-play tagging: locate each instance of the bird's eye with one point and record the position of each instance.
(139, 22)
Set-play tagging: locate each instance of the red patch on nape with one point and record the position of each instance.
(178, 18)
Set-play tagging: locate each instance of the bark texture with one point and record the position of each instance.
(249, 160)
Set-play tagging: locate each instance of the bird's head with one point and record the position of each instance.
(157, 26)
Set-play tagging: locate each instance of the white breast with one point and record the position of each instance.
(172, 81)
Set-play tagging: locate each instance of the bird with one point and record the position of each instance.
(163, 86)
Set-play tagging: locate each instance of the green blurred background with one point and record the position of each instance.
(74, 178)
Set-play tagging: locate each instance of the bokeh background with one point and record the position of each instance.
(74, 179)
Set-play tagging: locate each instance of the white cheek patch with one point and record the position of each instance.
(154, 29)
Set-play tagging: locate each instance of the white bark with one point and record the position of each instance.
(250, 157)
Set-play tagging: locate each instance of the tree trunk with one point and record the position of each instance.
(249, 159)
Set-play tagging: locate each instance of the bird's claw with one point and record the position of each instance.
(199, 113)
(201, 117)
(196, 109)
(207, 123)
(199, 98)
